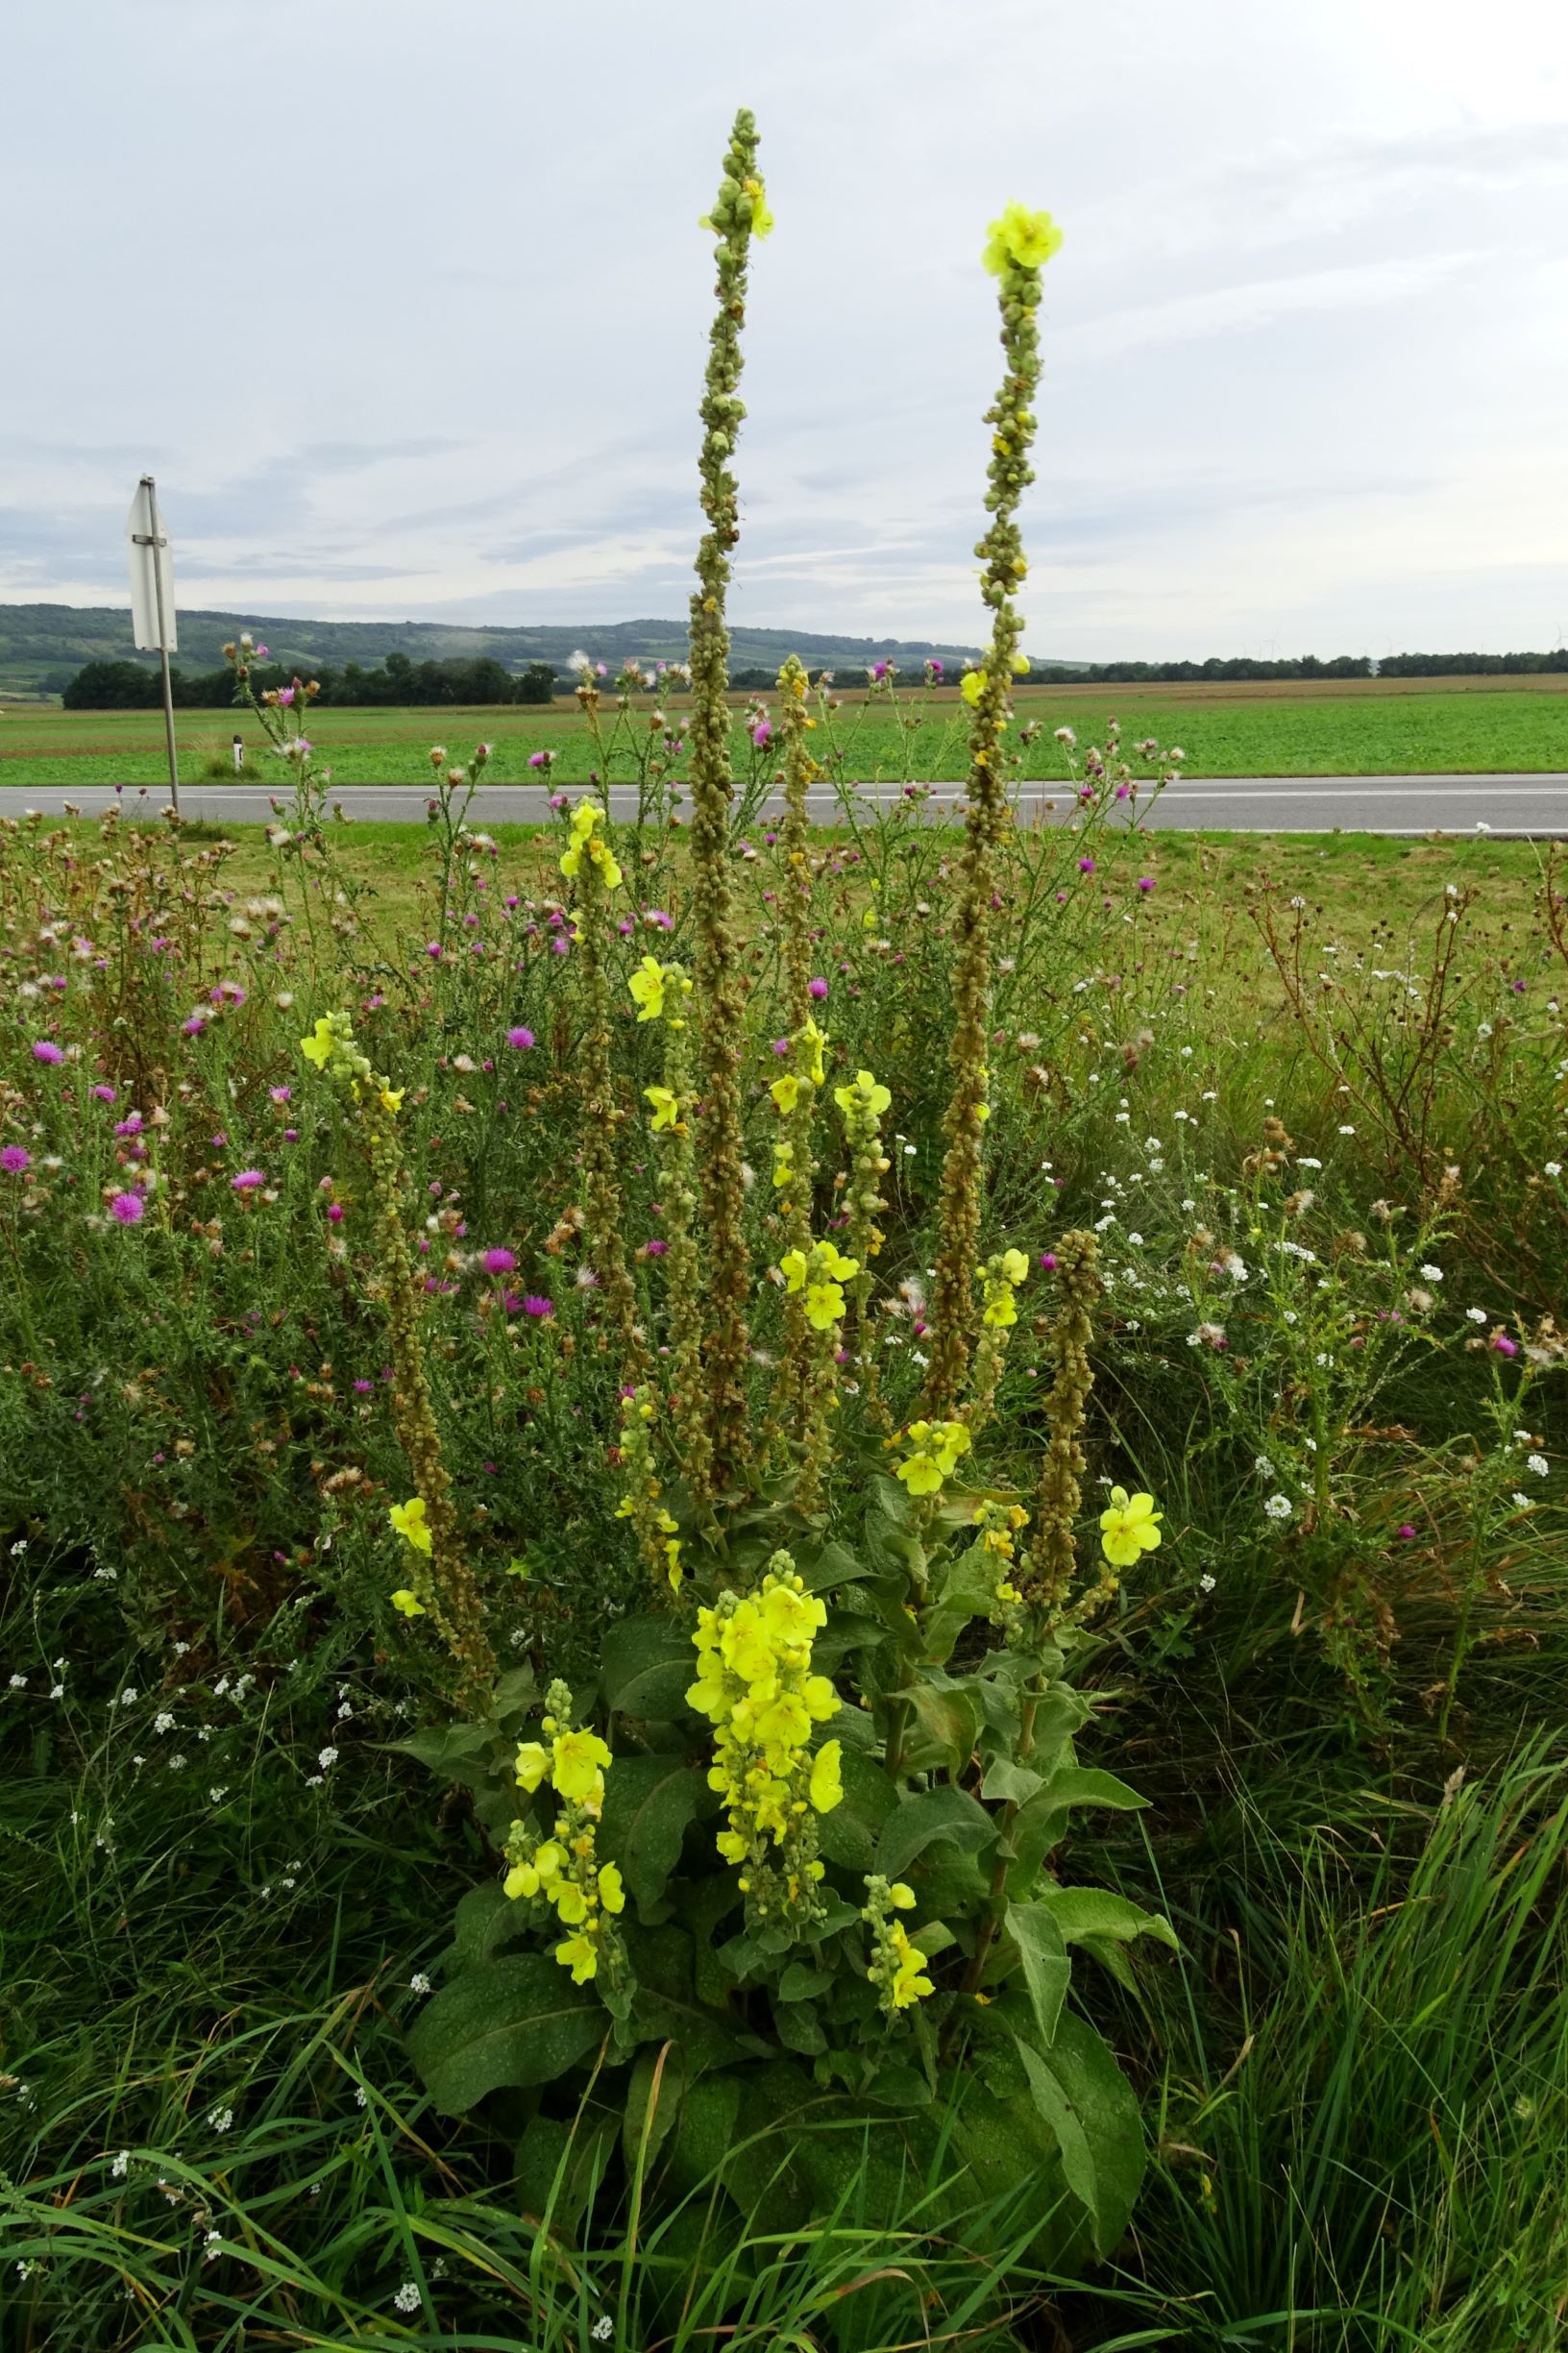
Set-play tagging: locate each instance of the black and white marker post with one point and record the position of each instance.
(152, 602)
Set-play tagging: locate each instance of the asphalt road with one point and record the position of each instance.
(1503, 804)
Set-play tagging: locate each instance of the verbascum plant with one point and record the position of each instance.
(1050, 1566)
(590, 864)
(1000, 1279)
(1018, 245)
(739, 212)
(643, 1504)
(438, 1581)
(660, 992)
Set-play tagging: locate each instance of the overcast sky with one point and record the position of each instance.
(404, 300)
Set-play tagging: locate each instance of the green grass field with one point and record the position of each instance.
(1370, 728)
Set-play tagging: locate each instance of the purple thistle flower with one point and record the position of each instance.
(1047, 1261)
(104, 1094)
(128, 1209)
(44, 1050)
(656, 1248)
(817, 987)
(534, 1305)
(13, 1159)
(248, 1180)
(1085, 866)
(131, 1125)
(762, 734)
(1504, 1346)
(1145, 882)
(499, 1261)
(520, 1038)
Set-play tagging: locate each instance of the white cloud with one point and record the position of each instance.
(430, 337)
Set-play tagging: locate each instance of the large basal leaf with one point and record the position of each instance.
(1042, 1957)
(1093, 2109)
(649, 1802)
(513, 2022)
(646, 1666)
(925, 1817)
(485, 1922)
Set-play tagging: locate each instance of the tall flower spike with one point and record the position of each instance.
(740, 211)
(1050, 1566)
(444, 1585)
(590, 863)
(1017, 246)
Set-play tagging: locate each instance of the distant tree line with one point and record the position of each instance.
(1305, 666)
(479, 678)
(133, 686)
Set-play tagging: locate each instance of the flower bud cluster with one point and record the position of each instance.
(641, 1504)
(588, 841)
(755, 1685)
(564, 1867)
(933, 1457)
(897, 1967)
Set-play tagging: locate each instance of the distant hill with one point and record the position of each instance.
(42, 645)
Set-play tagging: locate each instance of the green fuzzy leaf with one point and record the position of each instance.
(801, 1982)
(966, 1589)
(1099, 2101)
(1042, 1956)
(514, 2022)
(1085, 1913)
(671, 2004)
(849, 1834)
(471, 1753)
(835, 1564)
(707, 2130)
(926, 1817)
(1041, 1822)
(646, 1667)
(485, 1922)
(1009, 1783)
(944, 1724)
(798, 2028)
(649, 1802)
(1056, 2111)
(514, 1694)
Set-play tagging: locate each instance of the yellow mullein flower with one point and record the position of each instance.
(408, 1603)
(611, 1893)
(1015, 1265)
(815, 1039)
(786, 1092)
(973, 686)
(900, 1897)
(783, 1165)
(866, 1094)
(408, 1519)
(392, 1099)
(793, 1267)
(580, 1761)
(1026, 238)
(532, 1765)
(580, 1954)
(1128, 1528)
(762, 215)
(647, 986)
(826, 1789)
(1020, 665)
(318, 1047)
(909, 1983)
(665, 1108)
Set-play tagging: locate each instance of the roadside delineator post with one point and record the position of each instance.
(152, 602)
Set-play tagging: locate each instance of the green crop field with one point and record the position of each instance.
(1376, 727)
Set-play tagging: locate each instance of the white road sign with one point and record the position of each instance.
(152, 573)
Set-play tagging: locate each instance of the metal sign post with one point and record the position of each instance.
(152, 602)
